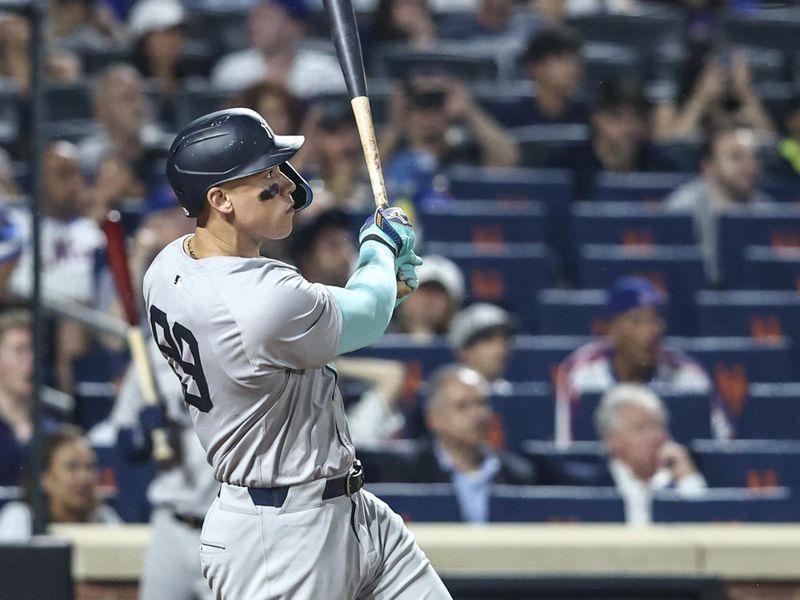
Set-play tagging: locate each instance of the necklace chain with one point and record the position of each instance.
(189, 248)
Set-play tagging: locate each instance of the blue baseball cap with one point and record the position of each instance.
(631, 292)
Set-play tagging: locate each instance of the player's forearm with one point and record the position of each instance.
(367, 301)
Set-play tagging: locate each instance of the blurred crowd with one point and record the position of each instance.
(579, 87)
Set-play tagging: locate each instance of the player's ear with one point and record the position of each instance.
(219, 200)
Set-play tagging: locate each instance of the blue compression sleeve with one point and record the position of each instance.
(367, 301)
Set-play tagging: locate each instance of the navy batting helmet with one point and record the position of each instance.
(227, 145)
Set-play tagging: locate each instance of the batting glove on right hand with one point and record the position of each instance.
(391, 227)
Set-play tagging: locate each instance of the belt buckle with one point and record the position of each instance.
(356, 471)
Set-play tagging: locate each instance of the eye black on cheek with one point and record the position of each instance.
(269, 192)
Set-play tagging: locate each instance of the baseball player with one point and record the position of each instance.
(180, 494)
(252, 342)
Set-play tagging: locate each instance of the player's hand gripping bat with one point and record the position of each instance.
(344, 33)
(118, 263)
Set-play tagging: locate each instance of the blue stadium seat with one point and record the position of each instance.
(677, 270)
(194, 100)
(756, 362)
(483, 222)
(131, 481)
(399, 60)
(421, 359)
(768, 268)
(770, 411)
(579, 312)
(420, 502)
(68, 102)
(689, 416)
(777, 29)
(564, 465)
(572, 312)
(763, 315)
(727, 505)
(631, 224)
(510, 274)
(555, 504)
(539, 144)
(535, 357)
(644, 32)
(755, 464)
(784, 189)
(639, 187)
(544, 185)
(777, 226)
(527, 413)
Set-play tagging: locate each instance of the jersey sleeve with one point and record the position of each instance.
(300, 322)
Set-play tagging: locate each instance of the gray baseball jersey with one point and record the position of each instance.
(251, 340)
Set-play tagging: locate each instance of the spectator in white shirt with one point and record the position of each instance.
(69, 481)
(275, 54)
(631, 421)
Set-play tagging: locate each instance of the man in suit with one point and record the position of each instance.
(631, 420)
(459, 416)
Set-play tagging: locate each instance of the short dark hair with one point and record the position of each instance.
(614, 94)
(556, 41)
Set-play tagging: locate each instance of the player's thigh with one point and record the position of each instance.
(313, 552)
(403, 571)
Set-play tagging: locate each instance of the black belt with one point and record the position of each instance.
(340, 486)
(190, 520)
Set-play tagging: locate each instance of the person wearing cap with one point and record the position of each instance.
(276, 29)
(632, 352)
(458, 415)
(481, 338)
(159, 31)
(632, 423)
(429, 312)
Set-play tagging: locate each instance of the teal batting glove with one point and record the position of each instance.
(407, 273)
(390, 227)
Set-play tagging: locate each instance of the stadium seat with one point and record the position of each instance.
(777, 226)
(540, 144)
(629, 224)
(530, 504)
(741, 358)
(782, 188)
(483, 223)
(420, 502)
(643, 32)
(564, 465)
(535, 357)
(767, 268)
(509, 185)
(727, 505)
(422, 358)
(640, 187)
(684, 153)
(68, 102)
(775, 28)
(676, 270)
(508, 104)
(398, 61)
(131, 481)
(527, 413)
(96, 61)
(754, 464)
(226, 30)
(608, 61)
(510, 274)
(193, 100)
(763, 315)
(689, 416)
(770, 411)
(571, 312)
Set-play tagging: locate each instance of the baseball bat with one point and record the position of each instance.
(118, 263)
(344, 33)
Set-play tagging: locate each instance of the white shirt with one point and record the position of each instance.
(312, 72)
(638, 494)
(69, 251)
(16, 520)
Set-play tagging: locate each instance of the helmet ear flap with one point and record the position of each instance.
(302, 195)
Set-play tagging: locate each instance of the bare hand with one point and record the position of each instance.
(459, 101)
(676, 458)
(711, 84)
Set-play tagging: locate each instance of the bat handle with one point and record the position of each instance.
(162, 450)
(366, 131)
